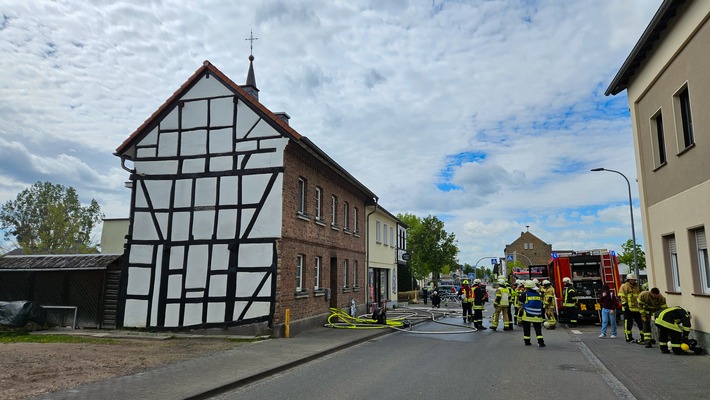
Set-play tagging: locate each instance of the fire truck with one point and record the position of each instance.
(589, 270)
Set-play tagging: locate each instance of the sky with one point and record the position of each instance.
(488, 115)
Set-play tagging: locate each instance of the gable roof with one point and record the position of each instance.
(277, 123)
(61, 262)
(644, 47)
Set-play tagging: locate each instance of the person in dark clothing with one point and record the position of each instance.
(673, 325)
(608, 303)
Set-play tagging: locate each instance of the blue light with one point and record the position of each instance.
(613, 253)
(554, 255)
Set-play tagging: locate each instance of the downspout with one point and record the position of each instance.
(367, 250)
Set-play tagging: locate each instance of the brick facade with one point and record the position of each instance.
(303, 234)
(532, 247)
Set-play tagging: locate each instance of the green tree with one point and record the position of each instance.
(432, 249)
(49, 219)
(627, 255)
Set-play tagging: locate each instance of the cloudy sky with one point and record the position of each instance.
(486, 114)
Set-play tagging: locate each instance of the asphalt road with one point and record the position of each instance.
(442, 364)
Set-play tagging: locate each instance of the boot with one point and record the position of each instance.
(648, 344)
(664, 349)
(541, 343)
(527, 342)
(481, 327)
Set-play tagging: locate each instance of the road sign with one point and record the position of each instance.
(471, 275)
(405, 256)
(509, 257)
(494, 261)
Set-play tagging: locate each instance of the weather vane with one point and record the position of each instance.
(251, 40)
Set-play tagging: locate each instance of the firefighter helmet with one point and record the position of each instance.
(529, 283)
(465, 282)
(476, 281)
(545, 283)
(566, 280)
(501, 281)
(536, 281)
(631, 276)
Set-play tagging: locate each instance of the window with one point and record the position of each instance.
(317, 271)
(319, 200)
(391, 236)
(334, 211)
(672, 262)
(525, 246)
(346, 216)
(355, 226)
(299, 272)
(378, 234)
(301, 196)
(355, 280)
(660, 142)
(684, 119)
(345, 273)
(530, 246)
(701, 246)
(384, 235)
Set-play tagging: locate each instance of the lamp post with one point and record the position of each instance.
(631, 210)
(475, 266)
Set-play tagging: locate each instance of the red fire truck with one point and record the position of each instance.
(589, 270)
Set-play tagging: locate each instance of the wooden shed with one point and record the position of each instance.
(77, 289)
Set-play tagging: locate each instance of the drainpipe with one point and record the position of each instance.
(367, 250)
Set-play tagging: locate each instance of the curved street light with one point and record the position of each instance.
(631, 210)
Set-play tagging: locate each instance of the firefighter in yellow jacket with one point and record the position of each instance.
(628, 294)
(673, 325)
(466, 296)
(549, 301)
(501, 304)
(569, 302)
(649, 302)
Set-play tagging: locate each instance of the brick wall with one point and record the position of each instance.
(302, 234)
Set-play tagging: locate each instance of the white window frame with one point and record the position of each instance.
(673, 256)
(301, 200)
(316, 285)
(299, 272)
(378, 233)
(701, 248)
(384, 235)
(346, 216)
(356, 227)
(345, 273)
(683, 118)
(392, 236)
(334, 210)
(319, 203)
(355, 279)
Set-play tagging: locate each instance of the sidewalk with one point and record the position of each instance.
(646, 373)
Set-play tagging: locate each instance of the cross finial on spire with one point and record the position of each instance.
(251, 40)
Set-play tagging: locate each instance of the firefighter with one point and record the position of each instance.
(501, 303)
(649, 302)
(549, 301)
(628, 294)
(479, 300)
(531, 301)
(466, 296)
(520, 289)
(673, 328)
(569, 302)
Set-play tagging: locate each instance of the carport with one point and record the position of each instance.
(81, 285)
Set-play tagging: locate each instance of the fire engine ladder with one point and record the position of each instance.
(608, 269)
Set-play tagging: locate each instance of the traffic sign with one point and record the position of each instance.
(509, 257)
(494, 261)
(471, 275)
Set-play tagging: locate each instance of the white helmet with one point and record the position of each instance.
(529, 283)
(566, 280)
(476, 281)
(631, 276)
(545, 283)
(501, 281)
(536, 281)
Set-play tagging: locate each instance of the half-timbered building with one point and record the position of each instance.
(236, 219)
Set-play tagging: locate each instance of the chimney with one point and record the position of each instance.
(283, 116)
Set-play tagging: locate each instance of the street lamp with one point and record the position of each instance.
(631, 210)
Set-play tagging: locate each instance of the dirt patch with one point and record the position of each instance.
(32, 369)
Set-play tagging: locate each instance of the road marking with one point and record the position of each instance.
(616, 386)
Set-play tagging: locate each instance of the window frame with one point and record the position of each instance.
(301, 196)
(671, 259)
(300, 264)
(356, 281)
(319, 204)
(334, 211)
(683, 118)
(378, 229)
(317, 270)
(356, 226)
(345, 273)
(658, 139)
(700, 249)
(346, 216)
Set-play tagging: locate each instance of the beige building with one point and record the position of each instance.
(384, 249)
(113, 235)
(667, 80)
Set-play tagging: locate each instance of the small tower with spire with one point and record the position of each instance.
(250, 86)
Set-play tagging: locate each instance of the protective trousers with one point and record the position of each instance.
(496, 316)
(538, 332)
(467, 310)
(629, 318)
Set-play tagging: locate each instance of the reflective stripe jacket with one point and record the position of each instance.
(629, 296)
(479, 297)
(502, 297)
(674, 318)
(570, 296)
(466, 294)
(649, 305)
(532, 307)
(549, 300)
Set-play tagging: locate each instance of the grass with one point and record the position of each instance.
(25, 337)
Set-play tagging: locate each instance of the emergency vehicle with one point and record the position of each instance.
(589, 270)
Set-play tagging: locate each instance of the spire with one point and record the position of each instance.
(250, 86)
